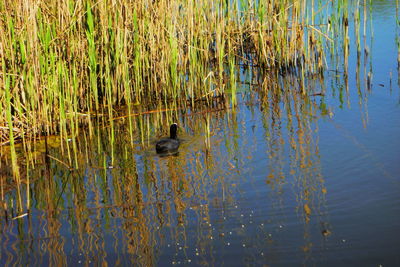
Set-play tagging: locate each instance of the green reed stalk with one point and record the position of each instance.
(90, 32)
(137, 59)
(232, 75)
(173, 61)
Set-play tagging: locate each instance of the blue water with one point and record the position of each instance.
(299, 180)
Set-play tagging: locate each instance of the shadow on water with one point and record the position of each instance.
(255, 183)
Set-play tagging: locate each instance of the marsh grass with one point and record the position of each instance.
(68, 60)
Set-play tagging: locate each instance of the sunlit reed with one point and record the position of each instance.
(69, 60)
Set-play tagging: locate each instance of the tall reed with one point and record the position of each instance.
(71, 60)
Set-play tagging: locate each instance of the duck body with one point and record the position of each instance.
(169, 145)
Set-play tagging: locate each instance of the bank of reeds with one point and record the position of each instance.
(65, 62)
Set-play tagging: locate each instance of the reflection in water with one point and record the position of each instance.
(105, 196)
(125, 204)
(302, 166)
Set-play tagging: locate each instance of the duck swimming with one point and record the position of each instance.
(169, 145)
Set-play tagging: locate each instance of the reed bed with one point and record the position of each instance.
(65, 62)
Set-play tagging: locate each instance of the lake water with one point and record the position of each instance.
(280, 180)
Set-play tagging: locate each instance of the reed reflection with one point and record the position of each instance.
(294, 156)
(106, 197)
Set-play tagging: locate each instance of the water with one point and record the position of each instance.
(280, 180)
